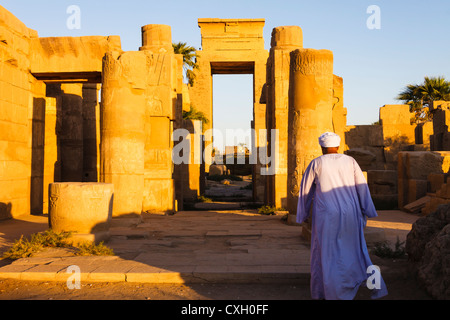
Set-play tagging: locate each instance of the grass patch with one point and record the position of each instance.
(25, 248)
(202, 198)
(384, 250)
(91, 249)
(269, 210)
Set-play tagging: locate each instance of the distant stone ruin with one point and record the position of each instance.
(83, 110)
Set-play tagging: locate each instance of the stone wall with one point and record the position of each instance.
(22, 112)
(440, 139)
(376, 148)
(414, 169)
(50, 117)
(365, 144)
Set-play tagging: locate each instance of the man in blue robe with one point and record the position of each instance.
(334, 194)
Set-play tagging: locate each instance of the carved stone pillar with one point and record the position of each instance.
(122, 129)
(310, 113)
(284, 40)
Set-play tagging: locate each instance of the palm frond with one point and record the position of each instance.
(190, 55)
(420, 97)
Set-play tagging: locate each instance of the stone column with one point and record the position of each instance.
(161, 95)
(122, 129)
(157, 38)
(284, 41)
(91, 132)
(71, 135)
(310, 114)
(52, 168)
(82, 208)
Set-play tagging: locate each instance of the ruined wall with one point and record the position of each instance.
(393, 152)
(22, 114)
(398, 131)
(376, 147)
(417, 174)
(50, 117)
(49, 113)
(440, 139)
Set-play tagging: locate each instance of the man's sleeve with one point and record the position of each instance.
(306, 194)
(365, 199)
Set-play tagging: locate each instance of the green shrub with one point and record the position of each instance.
(91, 249)
(384, 250)
(203, 199)
(24, 248)
(269, 210)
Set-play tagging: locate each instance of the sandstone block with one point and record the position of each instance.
(416, 189)
(423, 133)
(364, 135)
(217, 169)
(55, 55)
(82, 208)
(435, 181)
(441, 120)
(418, 165)
(365, 158)
(395, 115)
(157, 38)
(383, 177)
(158, 196)
(287, 36)
(385, 201)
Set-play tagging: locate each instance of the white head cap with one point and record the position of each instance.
(329, 140)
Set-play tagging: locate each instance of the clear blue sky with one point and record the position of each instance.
(413, 41)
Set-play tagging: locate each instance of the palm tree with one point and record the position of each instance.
(189, 59)
(420, 97)
(411, 95)
(435, 89)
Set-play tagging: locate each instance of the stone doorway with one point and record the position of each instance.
(229, 178)
(233, 46)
